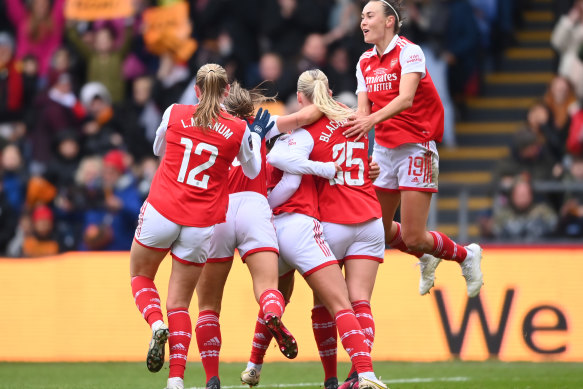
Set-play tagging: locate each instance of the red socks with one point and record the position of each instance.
(353, 340)
(397, 243)
(325, 335)
(445, 248)
(364, 316)
(261, 339)
(147, 298)
(208, 338)
(271, 302)
(180, 329)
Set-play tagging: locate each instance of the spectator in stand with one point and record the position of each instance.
(32, 84)
(281, 81)
(56, 110)
(171, 81)
(343, 21)
(461, 55)
(42, 239)
(528, 154)
(429, 21)
(39, 29)
(112, 204)
(567, 39)
(523, 219)
(104, 59)
(540, 122)
(140, 117)
(8, 219)
(61, 172)
(571, 214)
(314, 52)
(340, 72)
(575, 137)
(61, 62)
(561, 100)
(14, 177)
(11, 91)
(98, 133)
(287, 22)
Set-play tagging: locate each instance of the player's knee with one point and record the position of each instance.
(414, 242)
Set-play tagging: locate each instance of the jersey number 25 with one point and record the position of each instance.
(343, 155)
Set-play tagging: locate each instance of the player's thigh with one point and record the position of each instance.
(192, 245)
(154, 231)
(339, 237)
(387, 179)
(302, 244)
(254, 225)
(263, 267)
(224, 240)
(414, 212)
(417, 166)
(328, 285)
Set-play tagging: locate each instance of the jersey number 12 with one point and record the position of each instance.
(191, 180)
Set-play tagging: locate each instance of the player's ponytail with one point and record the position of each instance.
(212, 81)
(242, 102)
(314, 85)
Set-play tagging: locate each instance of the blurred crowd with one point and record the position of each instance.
(539, 190)
(80, 100)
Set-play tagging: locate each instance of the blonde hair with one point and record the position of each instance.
(241, 102)
(212, 81)
(314, 85)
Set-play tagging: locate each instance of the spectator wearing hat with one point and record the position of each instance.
(11, 90)
(42, 238)
(111, 225)
(99, 135)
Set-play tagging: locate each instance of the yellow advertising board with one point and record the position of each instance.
(98, 9)
(78, 307)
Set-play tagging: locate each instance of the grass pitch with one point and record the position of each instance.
(439, 375)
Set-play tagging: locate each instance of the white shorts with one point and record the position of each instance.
(188, 245)
(411, 166)
(248, 227)
(301, 244)
(356, 241)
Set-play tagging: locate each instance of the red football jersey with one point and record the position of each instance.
(190, 185)
(239, 182)
(305, 198)
(349, 198)
(382, 75)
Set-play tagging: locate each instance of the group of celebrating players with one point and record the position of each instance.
(309, 205)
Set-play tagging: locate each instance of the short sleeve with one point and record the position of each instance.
(412, 60)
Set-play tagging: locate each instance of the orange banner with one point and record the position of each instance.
(98, 9)
(78, 307)
(167, 30)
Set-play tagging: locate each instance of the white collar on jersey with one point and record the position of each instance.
(390, 47)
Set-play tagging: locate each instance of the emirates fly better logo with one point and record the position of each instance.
(382, 80)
